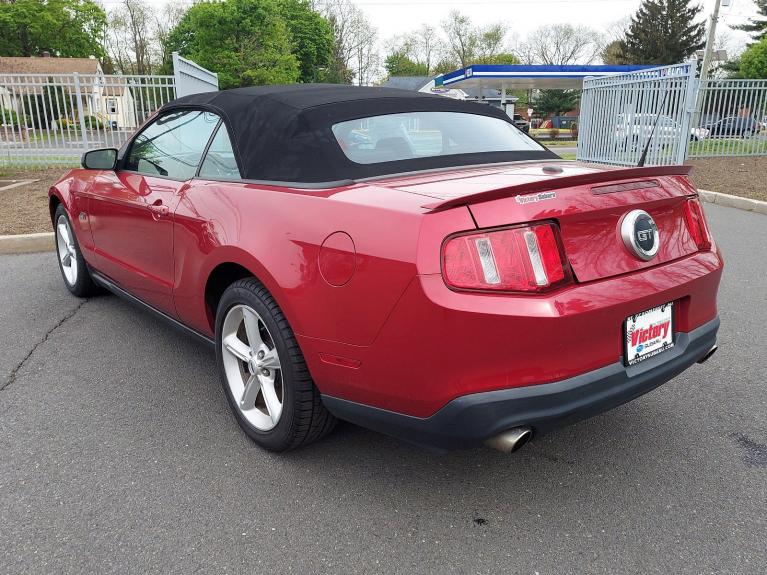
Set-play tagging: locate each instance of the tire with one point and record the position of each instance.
(263, 372)
(74, 271)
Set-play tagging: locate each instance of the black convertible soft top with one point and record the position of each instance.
(283, 133)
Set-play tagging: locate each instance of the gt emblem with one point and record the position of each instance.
(640, 234)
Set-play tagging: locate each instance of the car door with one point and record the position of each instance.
(131, 209)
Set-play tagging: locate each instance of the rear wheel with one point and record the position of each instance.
(264, 373)
(76, 276)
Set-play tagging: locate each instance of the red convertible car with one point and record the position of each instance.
(407, 262)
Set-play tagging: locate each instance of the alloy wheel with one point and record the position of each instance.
(252, 367)
(66, 249)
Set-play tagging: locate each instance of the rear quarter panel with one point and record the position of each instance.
(277, 235)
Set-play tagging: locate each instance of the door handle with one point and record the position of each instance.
(158, 209)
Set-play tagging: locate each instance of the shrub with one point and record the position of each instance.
(9, 118)
(93, 123)
(63, 123)
(574, 130)
(554, 133)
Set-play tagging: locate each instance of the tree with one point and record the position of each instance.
(461, 38)
(312, 38)
(70, 28)
(128, 41)
(757, 26)
(753, 62)
(663, 32)
(555, 102)
(562, 44)
(246, 42)
(354, 54)
(398, 63)
(613, 53)
(468, 44)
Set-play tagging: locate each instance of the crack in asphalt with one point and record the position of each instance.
(15, 371)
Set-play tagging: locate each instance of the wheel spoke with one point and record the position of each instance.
(270, 360)
(251, 328)
(248, 399)
(237, 348)
(273, 405)
(64, 233)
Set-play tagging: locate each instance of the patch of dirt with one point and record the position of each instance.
(24, 210)
(740, 176)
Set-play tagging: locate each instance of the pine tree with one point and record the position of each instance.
(757, 26)
(663, 32)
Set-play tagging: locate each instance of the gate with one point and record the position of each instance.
(191, 78)
(620, 113)
(51, 119)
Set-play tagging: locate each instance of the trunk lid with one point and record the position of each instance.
(588, 203)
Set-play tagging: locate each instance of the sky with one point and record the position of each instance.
(393, 17)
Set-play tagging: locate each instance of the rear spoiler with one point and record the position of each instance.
(597, 177)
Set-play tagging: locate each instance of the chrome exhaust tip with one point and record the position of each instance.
(708, 355)
(511, 440)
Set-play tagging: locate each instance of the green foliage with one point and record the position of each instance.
(753, 62)
(69, 28)
(555, 102)
(612, 54)
(93, 123)
(9, 118)
(663, 32)
(500, 58)
(312, 38)
(247, 42)
(399, 64)
(756, 27)
(54, 101)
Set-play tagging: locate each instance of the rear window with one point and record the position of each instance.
(394, 137)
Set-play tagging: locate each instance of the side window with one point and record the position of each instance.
(172, 145)
(219, 162)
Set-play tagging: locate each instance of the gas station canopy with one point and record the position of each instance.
(520, 77)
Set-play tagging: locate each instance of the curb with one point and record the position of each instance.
(728, 201)
(27, 243)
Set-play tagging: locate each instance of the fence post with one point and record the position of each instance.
(80, 115)
(692, 95)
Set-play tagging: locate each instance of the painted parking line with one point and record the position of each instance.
(10, 184)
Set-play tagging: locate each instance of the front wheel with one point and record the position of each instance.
(75, 273)
(263, 371)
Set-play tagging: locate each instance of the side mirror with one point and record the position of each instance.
(104, 159)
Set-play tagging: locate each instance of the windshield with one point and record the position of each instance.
(411, 135)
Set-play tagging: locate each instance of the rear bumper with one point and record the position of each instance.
(468, 420)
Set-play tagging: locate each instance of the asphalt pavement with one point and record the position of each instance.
(118, 455)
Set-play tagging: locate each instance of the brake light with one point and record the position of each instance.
(523, 258)
(696, 224)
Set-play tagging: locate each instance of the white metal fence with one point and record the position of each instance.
(731, 116)
(677, 114)
(618, 116)
(51, 119)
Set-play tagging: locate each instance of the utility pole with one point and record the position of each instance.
(710, 40)
(706, 64)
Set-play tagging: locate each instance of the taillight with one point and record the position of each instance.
(696, 224)
(523, 258)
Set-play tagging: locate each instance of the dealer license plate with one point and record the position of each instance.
(649, 333)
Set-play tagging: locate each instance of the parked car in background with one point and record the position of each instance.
(743, 127)
(633, 130)
(521, 123)
(407, 262)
